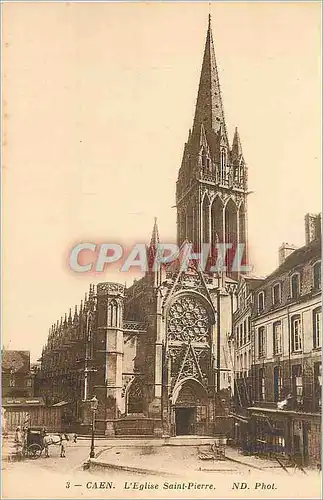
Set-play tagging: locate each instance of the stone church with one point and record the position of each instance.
(157, 355)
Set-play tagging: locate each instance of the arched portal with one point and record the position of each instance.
(188, 370)
(190, 408)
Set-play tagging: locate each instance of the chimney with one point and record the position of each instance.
(284, 251)
(312, 227)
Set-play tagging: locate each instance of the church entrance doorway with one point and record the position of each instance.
(184, 421)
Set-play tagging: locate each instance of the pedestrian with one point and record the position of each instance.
(45, 442)
(18, 443)
(62, 447)
(74, 437)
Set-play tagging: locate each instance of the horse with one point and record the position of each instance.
(50, 439)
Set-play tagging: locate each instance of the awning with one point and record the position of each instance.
(61, 403)
(8, 402)
(244, 420)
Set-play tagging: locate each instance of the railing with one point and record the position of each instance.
(134, 327)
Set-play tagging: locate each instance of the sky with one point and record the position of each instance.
(98, 100)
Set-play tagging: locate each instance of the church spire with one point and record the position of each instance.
(155, 235)
(153, 247)
(209, 107)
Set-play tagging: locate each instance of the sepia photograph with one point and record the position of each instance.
(161, 255)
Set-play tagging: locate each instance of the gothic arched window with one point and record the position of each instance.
(241, 167)
(113, 314)
(223, 164)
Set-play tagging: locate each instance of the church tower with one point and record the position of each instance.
(211, 190)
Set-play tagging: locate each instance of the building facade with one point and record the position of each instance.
(284, 413)
(157, 354)
(17, 376)
(244, 355)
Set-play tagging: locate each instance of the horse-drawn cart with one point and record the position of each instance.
(33, 442)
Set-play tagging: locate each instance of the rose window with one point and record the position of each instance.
(188, 320)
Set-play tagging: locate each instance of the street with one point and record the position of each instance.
(56, 477)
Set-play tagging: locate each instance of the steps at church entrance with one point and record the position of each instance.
(189, 440)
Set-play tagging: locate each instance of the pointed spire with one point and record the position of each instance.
(76, 316)
(155, 235)
(209, 107)
(70, 317)
(236, 145)
(152, 249)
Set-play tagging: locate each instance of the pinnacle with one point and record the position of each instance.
(236, 144)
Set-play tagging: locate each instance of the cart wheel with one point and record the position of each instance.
(34, 451)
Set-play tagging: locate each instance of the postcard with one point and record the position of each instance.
(161, 221)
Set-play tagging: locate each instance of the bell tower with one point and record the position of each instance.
(211, 189)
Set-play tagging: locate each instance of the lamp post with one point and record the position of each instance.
(94, 407)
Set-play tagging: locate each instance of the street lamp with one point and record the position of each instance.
(94, 406)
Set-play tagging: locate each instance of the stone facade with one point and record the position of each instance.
(156, 354)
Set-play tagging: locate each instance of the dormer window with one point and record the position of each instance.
(261, 301)
(276, 294)
(317, 275)
(295, 286)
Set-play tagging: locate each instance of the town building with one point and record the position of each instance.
(243, 354)
(156, 354)
(18, 389)
(283, 414)
(16, 374)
